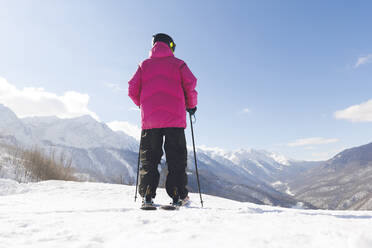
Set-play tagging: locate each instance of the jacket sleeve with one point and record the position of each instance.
(188, 85)
(134, 90)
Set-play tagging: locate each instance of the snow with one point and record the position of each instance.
(288, 191)
(277, 183)
(255, 156)
(281, 184)
(247, 159)
(281, 159)
(7, 186)
(74, 214)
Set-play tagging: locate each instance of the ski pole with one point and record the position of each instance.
(196, 165)
(138, 165)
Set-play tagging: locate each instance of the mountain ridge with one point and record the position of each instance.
(101, 154)
(342, 182)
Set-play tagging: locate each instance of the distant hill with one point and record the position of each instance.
(343, 182)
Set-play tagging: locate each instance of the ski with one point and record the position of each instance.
(170, 207)
(148, 206)
(176, 205)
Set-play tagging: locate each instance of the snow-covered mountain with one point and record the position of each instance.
(259, 163)
(97, 151)
(226, 179)
(100, 154)
(12, 128)
(271, 168)
(81, 132)
(343, 182)
(73, 214)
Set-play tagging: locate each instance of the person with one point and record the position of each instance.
(164, 88)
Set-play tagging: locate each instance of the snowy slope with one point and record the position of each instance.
(69, 214)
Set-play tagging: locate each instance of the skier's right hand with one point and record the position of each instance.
(191, 111)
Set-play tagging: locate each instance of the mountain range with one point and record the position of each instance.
(102, 155)
(343, 182)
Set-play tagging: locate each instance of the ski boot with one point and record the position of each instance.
(147, 202)
(176, 202)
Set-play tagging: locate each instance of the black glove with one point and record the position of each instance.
(191, 111)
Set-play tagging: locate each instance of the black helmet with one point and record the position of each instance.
(164, 38)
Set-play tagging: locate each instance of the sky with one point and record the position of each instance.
(292, 77)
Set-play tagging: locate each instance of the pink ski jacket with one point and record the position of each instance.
(163, 87)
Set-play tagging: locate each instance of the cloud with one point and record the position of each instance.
(363, 60)
(126, 127)
(212, 149)
(245, 111)
(312, 141)
(31, 101)
(356, 113)
(115, 87)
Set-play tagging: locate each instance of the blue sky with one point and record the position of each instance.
(274, 75)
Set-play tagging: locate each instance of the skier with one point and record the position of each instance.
(164, 89)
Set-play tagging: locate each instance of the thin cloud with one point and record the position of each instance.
(356, 113)
(115, 87)
(126, 127)
(363, 60)
(312, 141)
(245, 111)
(212, 149)
(33, 101)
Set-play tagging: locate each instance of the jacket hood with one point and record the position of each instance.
(160, 49)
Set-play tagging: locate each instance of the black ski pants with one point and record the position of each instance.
(151, 151)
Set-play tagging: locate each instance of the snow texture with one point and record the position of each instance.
(71, 214)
